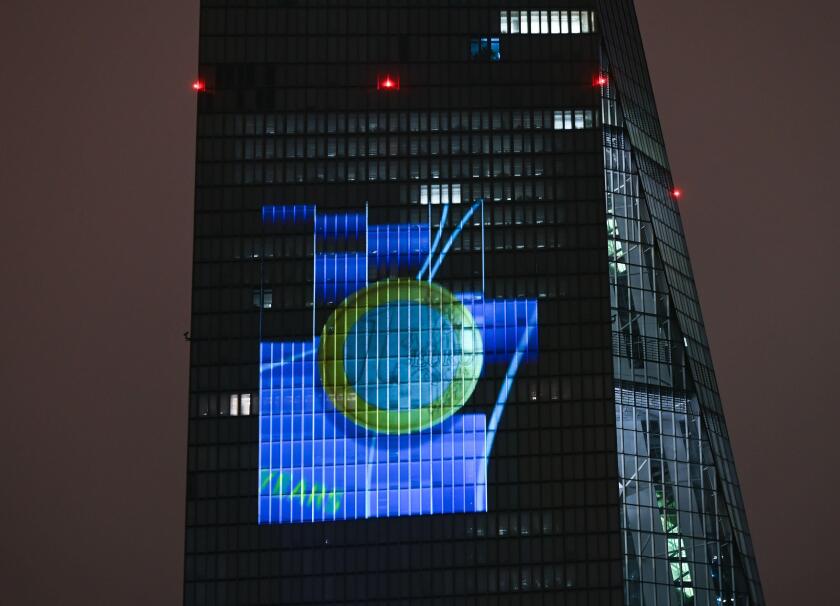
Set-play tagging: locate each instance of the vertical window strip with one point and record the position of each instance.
(575, 22)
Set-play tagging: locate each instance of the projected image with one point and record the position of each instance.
(377, 414)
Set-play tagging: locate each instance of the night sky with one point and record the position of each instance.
(96, 182)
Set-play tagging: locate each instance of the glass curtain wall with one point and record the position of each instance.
(677, 539)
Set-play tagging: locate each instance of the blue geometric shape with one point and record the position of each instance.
(398, 246)
(341, 226)
(502, 323)
(288, 214)
(338, 275)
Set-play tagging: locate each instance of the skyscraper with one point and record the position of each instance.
(446, 345)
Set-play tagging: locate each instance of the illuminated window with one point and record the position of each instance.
(487, 49)
(546, 22)
(243, 402)
(514, 22)
(240, 404)
(262, 297)
(440, 194)
(574, 119)
(575, 22)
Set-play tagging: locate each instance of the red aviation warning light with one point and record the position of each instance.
(199, 86)
(677, 193)
(388, 82)
(600, 80)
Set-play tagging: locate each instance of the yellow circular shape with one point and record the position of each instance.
(421, 359)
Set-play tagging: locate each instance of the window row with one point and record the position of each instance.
(497, 217)
(569, 389)
(419, 584)
(547, 22)
(263, 298)
(219, 261)
(354, 52)
(375, 122)
(363, 171)
(210, 150)
(550, 531)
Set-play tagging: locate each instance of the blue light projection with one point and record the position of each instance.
(338, 275)
(343, 226)
(289, 214)
(398, 246)
(386, 248)
(376, 415)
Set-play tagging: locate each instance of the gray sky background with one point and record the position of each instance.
(96, 177)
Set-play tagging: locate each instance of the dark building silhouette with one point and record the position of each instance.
(446, 346)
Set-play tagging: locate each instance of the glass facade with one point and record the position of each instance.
(422, 370)
(677, 536)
